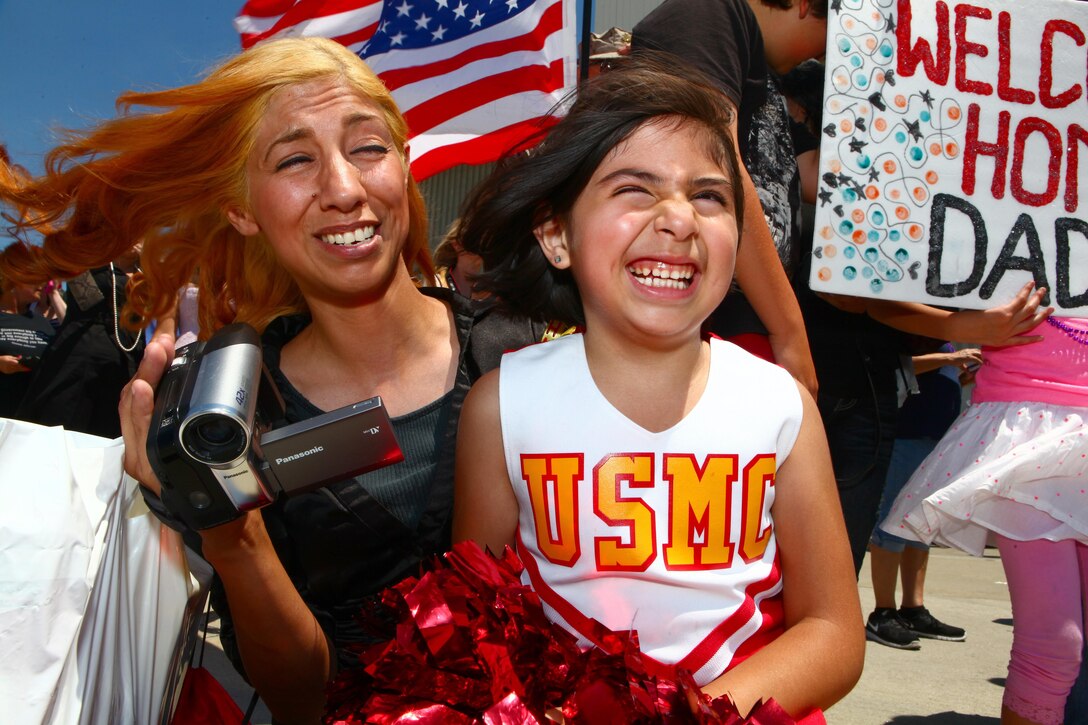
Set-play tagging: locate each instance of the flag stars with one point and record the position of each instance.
(459, 11)
(477, 19)
(422, 22)
(511, 5)
(439, 33)
(397, 39)
(444, 4)
(403, 9)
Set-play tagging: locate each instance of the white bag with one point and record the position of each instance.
(97, 603)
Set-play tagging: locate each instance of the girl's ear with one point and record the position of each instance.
(242, 220)
(552, 237)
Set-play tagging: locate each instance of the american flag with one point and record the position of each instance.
(473, 78)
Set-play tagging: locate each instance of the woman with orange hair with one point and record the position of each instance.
(280, 184)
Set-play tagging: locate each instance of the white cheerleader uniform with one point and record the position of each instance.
(668, 534)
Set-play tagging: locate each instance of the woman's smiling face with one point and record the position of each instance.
(327, 191)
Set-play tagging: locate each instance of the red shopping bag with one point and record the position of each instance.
(203, 701)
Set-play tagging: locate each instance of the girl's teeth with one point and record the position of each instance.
(662, 276)
(661, 282)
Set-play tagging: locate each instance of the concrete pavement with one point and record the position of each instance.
(944, 683)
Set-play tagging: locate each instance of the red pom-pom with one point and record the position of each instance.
(472, 644)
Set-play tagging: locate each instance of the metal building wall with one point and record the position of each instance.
(445, 191)
(620, 13)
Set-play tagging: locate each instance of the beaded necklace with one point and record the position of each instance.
(116, 316)
(1078, 336)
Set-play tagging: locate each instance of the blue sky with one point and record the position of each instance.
(64, 62)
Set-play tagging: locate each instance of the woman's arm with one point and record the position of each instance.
(286, 655)
(963, 360)
(10, 364)
(485, 509)
(999, 326)
(819, 657)
(760, 275)
(54, 307)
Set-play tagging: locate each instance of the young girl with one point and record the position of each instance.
(652, 479)
(1015, 466)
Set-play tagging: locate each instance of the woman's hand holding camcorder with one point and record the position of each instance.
(137, 405)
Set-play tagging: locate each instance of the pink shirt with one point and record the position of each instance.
(1054, 370)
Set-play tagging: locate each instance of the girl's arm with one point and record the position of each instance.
(485, 509)
(818, 658)
(286, 655)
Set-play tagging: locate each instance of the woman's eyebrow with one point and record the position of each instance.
(295, 134)
(290, 135)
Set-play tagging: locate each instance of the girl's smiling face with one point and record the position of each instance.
(327, 191)
(652, 239)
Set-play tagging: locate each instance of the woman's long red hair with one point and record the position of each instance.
(164, 175)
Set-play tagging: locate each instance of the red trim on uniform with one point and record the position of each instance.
(589, 628)
(773, 626)
(758, 345)
(705, 650)
(697, 658)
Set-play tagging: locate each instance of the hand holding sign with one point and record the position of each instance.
(999, 326)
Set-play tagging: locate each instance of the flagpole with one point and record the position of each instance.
(587, 26)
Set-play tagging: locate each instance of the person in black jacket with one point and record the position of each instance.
(79, 379)
(25, 335)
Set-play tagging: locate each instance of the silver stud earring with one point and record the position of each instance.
(557, 259)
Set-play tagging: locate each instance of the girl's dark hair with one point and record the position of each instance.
(527, 189)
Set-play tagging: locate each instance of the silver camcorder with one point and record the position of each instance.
(213, 448)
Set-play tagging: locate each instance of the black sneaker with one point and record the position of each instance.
(924, 624)
(885, 627)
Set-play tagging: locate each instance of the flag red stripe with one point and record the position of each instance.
(453, 103)
(495, 80)
(266, 8)
(359, 36)
(550, 22)
(304, 10)
(481, 149)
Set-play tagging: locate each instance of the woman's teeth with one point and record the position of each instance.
(662, 276)
(348, 238)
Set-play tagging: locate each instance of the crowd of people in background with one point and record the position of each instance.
(276, 192)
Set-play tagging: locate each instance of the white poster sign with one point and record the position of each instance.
(951, 168)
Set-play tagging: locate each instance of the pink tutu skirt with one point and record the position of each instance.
(1017, 469)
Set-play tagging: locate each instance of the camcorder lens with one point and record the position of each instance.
(215, 439)
(215, 432)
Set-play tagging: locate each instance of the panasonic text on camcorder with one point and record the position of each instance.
(300, 454)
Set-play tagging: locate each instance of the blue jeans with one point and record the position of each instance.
(860, 434)
(907, 455)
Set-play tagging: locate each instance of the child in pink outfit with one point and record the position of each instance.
(1016, 466)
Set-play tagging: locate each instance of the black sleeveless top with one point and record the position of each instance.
(343, 544)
